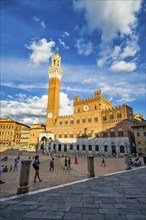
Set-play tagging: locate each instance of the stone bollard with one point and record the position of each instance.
(90, 162)
(24, 177)
(127, 162)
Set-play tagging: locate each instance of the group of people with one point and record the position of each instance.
(67, 163)
(135, 162)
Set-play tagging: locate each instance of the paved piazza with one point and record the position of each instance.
(58, 177)
(120, 196)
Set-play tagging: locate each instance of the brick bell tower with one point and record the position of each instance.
(55, 74)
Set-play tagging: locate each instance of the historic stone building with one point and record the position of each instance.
(10, 133)
(35, 131)
(24, 139)
(95, 125)
(140, 137)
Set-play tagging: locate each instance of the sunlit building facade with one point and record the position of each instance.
(10, 133)
(95, 125)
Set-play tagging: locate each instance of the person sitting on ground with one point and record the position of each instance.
(5, 158)
(137, 162)
(131, 162)
(1, 170)
(5, 169)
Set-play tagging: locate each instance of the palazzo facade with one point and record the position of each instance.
(95, 125)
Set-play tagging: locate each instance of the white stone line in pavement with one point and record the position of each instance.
(66, 184)
(124, 171)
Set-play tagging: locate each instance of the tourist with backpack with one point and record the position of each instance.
(36, 164)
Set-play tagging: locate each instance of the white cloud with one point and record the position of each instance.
(84, 48)
(43, 25)
(65, 34)
(89, 81)
(122, 66)
(32, 109)
(66, 105)
(116, 52)
(101, 62)
(41, 51)
(111, 18)
(129, 51)
(63, 44)
(38, 20)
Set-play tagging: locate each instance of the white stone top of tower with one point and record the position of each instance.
(55, 69)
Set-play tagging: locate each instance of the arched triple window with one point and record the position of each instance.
(119, 115)
(83, 120)
(95, 119)
(112, 133)
(104, 118)
(111, 117)
(104, 134)
(120, 132)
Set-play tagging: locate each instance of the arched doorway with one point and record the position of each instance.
(122, 149)
(65, 148)
(59, 147)
(113, 150)
(43, 144)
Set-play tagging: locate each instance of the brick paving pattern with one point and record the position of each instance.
(120, 196)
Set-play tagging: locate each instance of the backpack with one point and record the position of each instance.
(34, 165)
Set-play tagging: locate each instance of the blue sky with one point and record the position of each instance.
(102, 45)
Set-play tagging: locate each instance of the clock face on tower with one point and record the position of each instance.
(50, 115)
(86, 108)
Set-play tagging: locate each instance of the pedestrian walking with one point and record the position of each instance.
(16, 161)
(11, 168)
(65, 162)
(51, 163)
(36, 164)
(76, 160)
(103, 161)
(69, 163)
